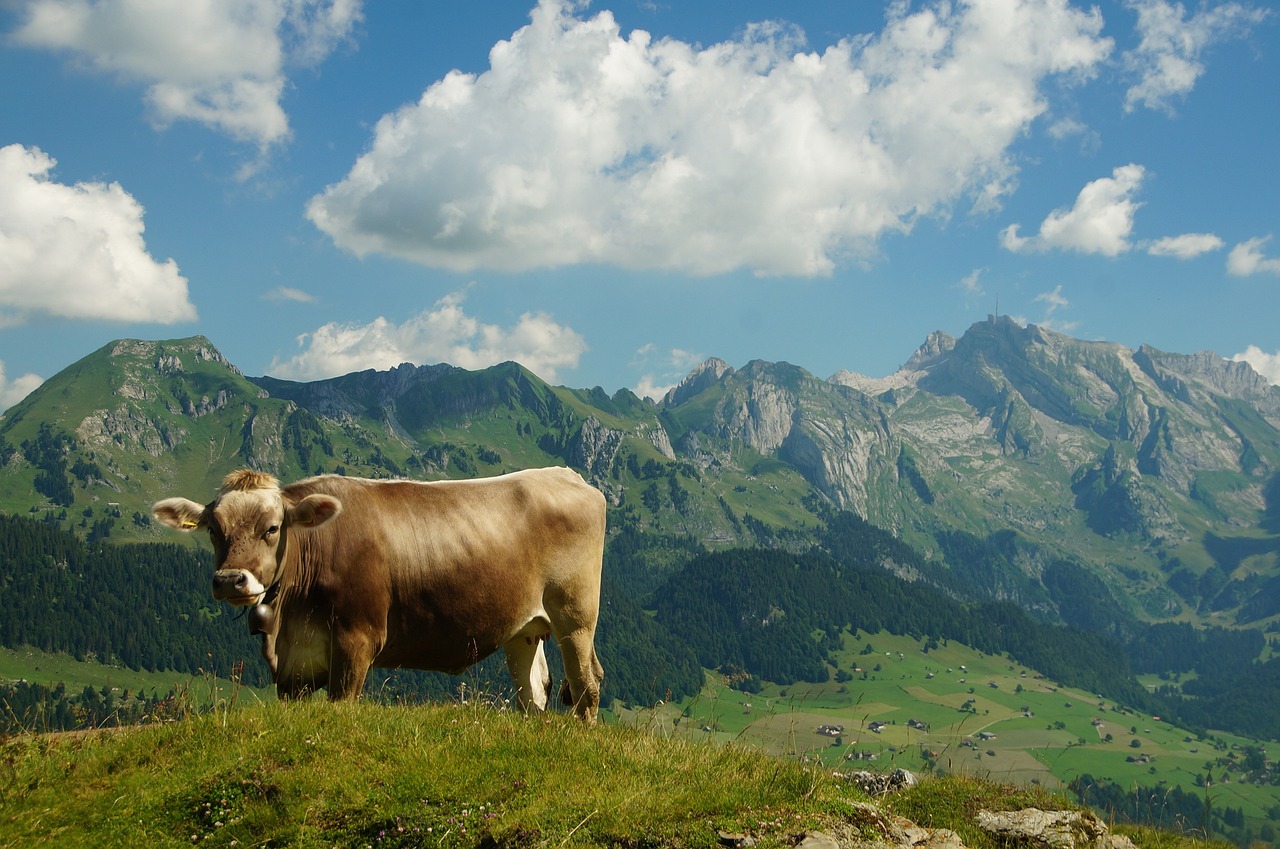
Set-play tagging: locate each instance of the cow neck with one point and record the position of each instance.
(273, 591)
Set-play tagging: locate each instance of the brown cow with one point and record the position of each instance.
(346, 573)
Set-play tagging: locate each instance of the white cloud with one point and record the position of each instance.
(663, 369)
(1053, 302)
(1063, 130)
(219, 62)
(1267, 365)
(578, 145)
(1186, 246)
(287, 294)
(970, 285)
(1100, 222)
(444, 333)
(13, 391)
(1167, 61)
(77, 251)
(1246, 259)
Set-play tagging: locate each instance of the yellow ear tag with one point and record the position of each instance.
(190, 524)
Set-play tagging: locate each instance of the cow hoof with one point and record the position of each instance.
(260, 619)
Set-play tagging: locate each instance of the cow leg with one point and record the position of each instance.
(527, 663)
(583, 671)
(350, 657)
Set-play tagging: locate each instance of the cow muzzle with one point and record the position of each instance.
(238, 587)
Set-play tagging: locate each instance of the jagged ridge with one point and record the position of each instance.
(1158, 470)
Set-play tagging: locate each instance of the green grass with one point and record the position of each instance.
(319, 774)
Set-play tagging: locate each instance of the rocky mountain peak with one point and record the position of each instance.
(936, 345)
(703, 376)
(171, 357)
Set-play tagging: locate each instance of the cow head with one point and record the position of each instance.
(248, 524)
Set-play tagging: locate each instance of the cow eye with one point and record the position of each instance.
(272, 531)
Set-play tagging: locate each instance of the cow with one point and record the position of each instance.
(341, 574)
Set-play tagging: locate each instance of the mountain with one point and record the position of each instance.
(1085, 480)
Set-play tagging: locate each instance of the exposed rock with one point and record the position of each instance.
(880, 783)
(595, 449)
(131, 428)
(891, 832)
(169, 364)
(658, 438)
(889, 389)
(1037, 829)
(764, 418)
(871, 827)
(206, 405)
(936, 346)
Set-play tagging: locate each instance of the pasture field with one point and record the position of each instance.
(38, 667)
(955, 710)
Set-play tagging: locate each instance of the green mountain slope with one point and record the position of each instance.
(996, 455)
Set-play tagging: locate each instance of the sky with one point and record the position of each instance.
(611, 193)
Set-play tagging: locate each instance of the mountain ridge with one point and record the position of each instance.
(1157, 470)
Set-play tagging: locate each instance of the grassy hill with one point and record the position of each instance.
(315, 774)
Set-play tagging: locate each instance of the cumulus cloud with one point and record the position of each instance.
(13, 391)
(1267, 365)
(580, 145)
(1247, 259)
(1186, 246)
(1167, 61)
(444, 333)
(77, 251)
(219, 62)
(1100, 222)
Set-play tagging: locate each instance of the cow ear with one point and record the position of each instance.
(314, 510)
(182, 514)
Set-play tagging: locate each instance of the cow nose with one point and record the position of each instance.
(232, 582)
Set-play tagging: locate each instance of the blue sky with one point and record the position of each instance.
(610, 193)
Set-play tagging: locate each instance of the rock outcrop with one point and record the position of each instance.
(1029, 828)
